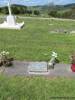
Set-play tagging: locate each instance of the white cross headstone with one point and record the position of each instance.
(10, 22)
(9, 8)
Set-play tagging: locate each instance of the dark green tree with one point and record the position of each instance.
(4, 10)
(53, 13)
(36, 12)
(29, 12)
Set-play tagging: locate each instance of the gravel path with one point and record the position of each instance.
(43, 18)
(20, 68)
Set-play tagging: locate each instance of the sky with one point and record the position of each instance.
(36, 2)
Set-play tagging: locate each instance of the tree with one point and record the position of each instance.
(53, 13)
(67, 14)
(19, 9)
(5, 10)
(0, 10)
(15, 10)
(29, 12)
(36, 12)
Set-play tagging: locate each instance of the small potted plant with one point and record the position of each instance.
(5, 59)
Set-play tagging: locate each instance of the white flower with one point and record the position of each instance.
(3, 52)
(54, 54)
(7, 53)
(0, 55)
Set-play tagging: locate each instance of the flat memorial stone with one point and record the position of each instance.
(38, 68)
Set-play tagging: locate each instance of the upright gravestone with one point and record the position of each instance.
(10, 22)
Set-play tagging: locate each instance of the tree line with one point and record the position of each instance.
(70, 13)
(52, 12)
(19, 10)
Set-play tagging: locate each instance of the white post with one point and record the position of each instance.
(9, 8)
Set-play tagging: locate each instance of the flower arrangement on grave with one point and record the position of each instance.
(53, 60)
(5, 59)
(73, 62)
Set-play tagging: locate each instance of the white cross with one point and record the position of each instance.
(9, 8)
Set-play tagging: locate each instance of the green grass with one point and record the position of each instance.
(35, 41)
(36, 88)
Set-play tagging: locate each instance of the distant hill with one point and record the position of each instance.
(46, 7)
(64, 11)
(70, 5)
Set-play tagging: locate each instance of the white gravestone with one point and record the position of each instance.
(10, 22)
(39, 68)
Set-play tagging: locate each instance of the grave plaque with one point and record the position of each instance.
(38, 67)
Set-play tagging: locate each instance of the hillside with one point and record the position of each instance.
(62, 11)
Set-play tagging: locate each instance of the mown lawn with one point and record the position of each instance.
(35, 41)
(36, 88)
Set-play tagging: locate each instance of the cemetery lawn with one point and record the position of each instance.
(38, 38)
(36, 88)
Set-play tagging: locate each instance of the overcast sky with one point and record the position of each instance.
(37, 2)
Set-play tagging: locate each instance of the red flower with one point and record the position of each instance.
(73, 67)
